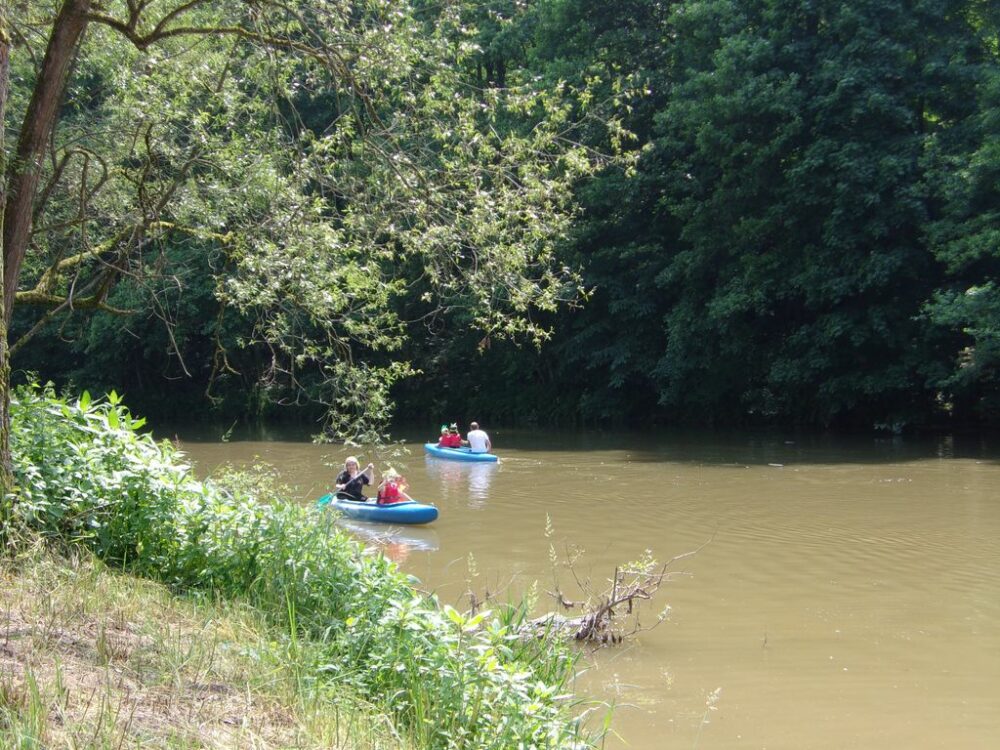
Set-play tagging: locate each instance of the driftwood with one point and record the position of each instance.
(612, 615)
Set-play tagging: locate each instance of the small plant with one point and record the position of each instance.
(23, 713)
(711, 704)
(13, 699)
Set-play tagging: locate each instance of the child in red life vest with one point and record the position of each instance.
(453, 439)
(393, 489)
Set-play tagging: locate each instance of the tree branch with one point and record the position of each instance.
(93, 302)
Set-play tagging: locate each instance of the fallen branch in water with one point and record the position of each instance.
(611, 616)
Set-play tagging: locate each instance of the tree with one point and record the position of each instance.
(798, 275)
(810, 173)
(769, 261)
(6, 478)
(966, 240)
(611, 60)
(413, 169)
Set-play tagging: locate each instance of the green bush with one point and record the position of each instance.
(87, 475)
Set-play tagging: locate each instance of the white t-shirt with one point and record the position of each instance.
(478, 441)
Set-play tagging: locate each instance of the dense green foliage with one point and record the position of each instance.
(282, 176)
(804, 229)
(86, 475)
(809, 236)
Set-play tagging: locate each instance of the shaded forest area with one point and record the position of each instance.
(793, 217)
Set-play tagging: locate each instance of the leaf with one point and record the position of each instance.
(454, 615)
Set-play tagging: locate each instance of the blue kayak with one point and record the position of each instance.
(458, 454)
(405, 512)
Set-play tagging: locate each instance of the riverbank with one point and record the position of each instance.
(90, 657)
(346, 619)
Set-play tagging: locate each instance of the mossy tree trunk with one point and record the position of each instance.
(39, 121)
(20, 178)
(6, 480)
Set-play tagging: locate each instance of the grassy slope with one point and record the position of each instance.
(90, 658)
(327, 616)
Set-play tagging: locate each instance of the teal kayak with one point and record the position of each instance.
(458, 454)
(403, 513)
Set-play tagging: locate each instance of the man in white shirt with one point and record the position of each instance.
(479, 441)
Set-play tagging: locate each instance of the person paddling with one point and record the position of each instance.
(351, 480)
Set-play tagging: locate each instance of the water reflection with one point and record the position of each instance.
(395, 542)
(480, 477)
(464, 481)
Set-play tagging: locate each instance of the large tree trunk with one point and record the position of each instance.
(39, 121)
(6, 478)
(19, 179)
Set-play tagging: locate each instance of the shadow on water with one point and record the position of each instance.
(712, 447)
(235, 432)
(740, 449)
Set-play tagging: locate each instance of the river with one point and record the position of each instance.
(846, 593)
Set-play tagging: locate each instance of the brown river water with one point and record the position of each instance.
(848, 595)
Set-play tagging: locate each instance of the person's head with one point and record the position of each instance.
(453, 428)
(390, 475)
(473, 425)
(444, 429)
(351, 462)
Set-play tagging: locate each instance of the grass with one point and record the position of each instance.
(336, 623)
(91, 658)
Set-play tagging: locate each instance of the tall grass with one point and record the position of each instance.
(91, 659)
(88, 476)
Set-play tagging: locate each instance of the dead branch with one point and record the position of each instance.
(610, 616)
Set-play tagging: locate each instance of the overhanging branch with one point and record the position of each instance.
(58, 302)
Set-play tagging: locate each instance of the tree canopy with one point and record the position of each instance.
(772, 211)
(808, 235)
(296, 166)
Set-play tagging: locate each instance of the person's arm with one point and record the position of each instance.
(369, 473)
(338, 484)
(489, 445)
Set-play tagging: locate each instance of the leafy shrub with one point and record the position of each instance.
(87, 475)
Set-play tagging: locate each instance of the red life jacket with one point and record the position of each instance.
(389, 494)
(451, 440)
